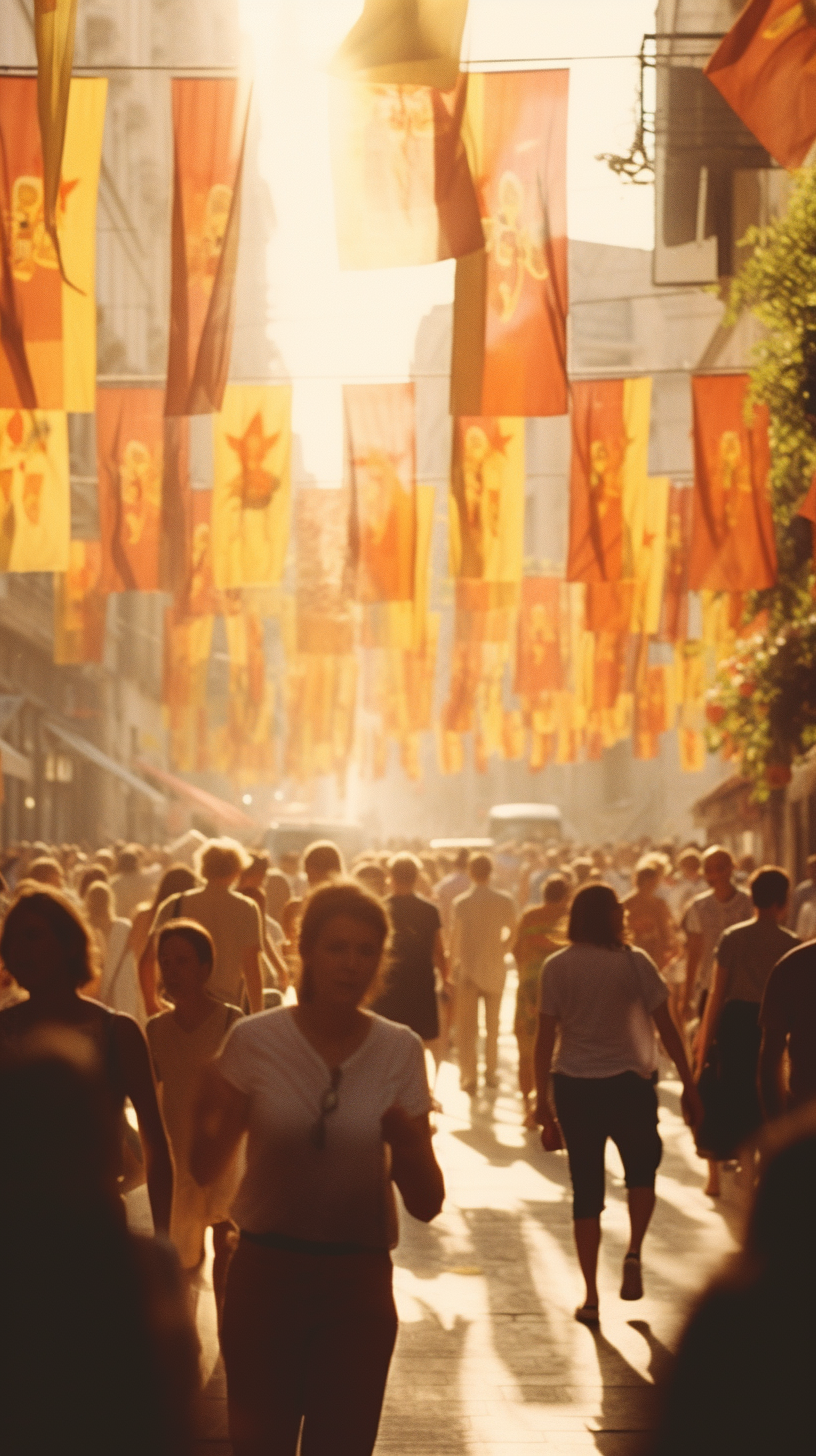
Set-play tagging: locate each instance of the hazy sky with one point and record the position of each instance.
(331, 326)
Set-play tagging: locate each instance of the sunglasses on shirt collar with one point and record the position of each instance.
(328, 1104)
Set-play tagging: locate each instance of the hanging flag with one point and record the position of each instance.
(610, 606)
(187, 645)
(608, 473)
(416, 42)
(766, 70)
(609, 669)
(47, 328)
(732, 546)
(209, 132)
(402, 186)
(539, 668)
(324, 623)
(510, 308)
(674, 612)
(80, 606)
(649, 526)
(252, 491)
(35, 491)
(381, 462)
(130, 437)
(486, 502)
(201, 597)
(54, 27)
(76, 226)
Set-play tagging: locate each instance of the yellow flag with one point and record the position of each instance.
(76, 225)
(487, 499)
(35, 493)
(252, 485)
(648, 536)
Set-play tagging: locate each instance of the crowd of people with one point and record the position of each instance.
(260, 1043)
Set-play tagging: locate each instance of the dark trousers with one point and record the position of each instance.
(592, 1109)
(306, 1337)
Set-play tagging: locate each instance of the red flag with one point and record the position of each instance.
(129, 436)
(510, 309)
(79, 607)
(596, 481)
(209, 131)
(732, 547)
(381, 456)
(766, 70)
(538, 654)
(675, 607)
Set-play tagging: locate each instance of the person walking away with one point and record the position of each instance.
(787, 1019)
(233, 921)
(605, 999)
(336, 1101)
(483, 922)
(708, 915)
(648, 917)
(450, 886)
(119, 984)
(131, 884)
(746, 955)
(182, 1042)
(541, 931)
(415, 954)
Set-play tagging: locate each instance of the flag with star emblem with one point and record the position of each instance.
(80, 606)
(732, 541)
(766, 70)
(381, 464)
(510, 307)
(35, 493)
(486, 500)
(608, 473)
(129, 442)
(209, 131)
(402, 187)
(252, 485)
(47, 326)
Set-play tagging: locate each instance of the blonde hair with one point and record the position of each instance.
(221, 859)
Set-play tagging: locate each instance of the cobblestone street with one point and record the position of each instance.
(489, 1359)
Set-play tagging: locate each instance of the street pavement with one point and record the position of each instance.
(489, 1358)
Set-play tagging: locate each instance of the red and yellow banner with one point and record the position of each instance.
(608, 473)
(510, 309)
(486, 503)
(80, 606)
(732, 546)
(766, 70)
(674, 612)
(539, 668)
(321, 695)
(252, 491)
(324, 623)
(209, 130)
(48, 328)
(402, 186)
(381, 459)
(35, 491)
(130, 441)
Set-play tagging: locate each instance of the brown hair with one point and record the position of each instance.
(76, 941)
(195, 935)
(341, 897)
(595, 917)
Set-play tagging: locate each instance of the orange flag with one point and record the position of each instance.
(381, 461)
(324, 623)
(54, 26)
(129, 437)
(766, 70)
(486, 502)
(199, 596)
(608, 475)
(402, 187)
(35, 491)
(674, 612)
(209, 130)
(79, 607)
(732, 545)
(538, 653)
(510, 309)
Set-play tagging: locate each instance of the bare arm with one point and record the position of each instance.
(251, 966)
(414, 1168)
(694, 952)
(440, 958)
(148, 979)
(137, 1076)
(544, 1048)
(711, 1016)
(673, 1042)
(221, 1116)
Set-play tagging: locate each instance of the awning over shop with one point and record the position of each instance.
(218, 809)
(14, 763)
(102, 760)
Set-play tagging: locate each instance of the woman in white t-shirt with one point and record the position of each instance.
(605, 998)
(334, 1101)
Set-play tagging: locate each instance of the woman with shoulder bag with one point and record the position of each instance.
(605, 998)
